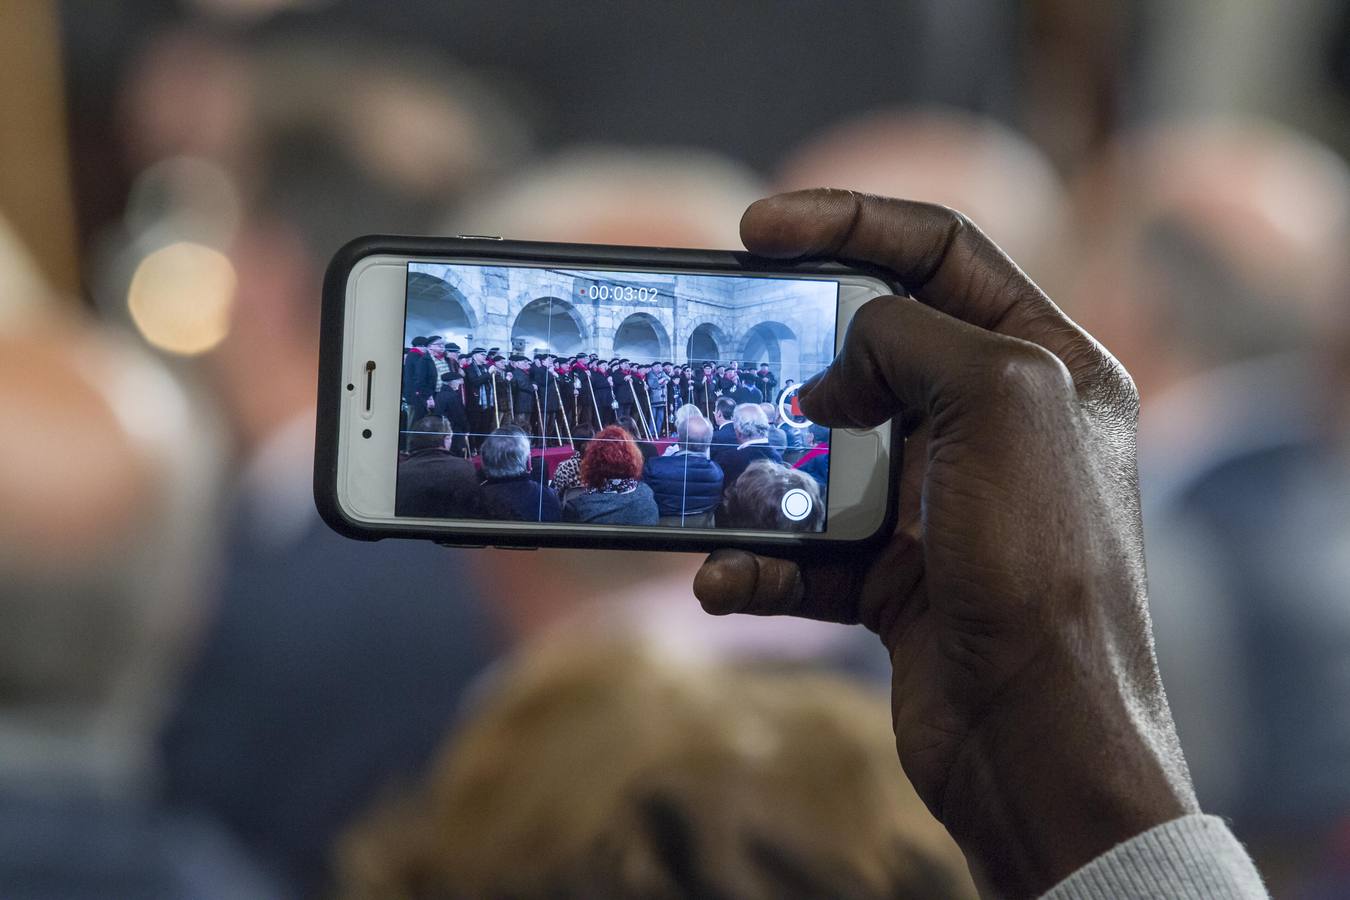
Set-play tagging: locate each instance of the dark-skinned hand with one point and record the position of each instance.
(1027, 705)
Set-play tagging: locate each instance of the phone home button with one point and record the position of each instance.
(796, 504)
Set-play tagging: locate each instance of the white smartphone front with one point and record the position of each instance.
(521, 401)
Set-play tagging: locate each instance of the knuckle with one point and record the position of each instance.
(1031, 370)
(958, 221)
(1106, 384)
(951, 219)
(1120, 390)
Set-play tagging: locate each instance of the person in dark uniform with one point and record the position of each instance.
(767, 383)
(419, 379)
(546, 385)
(478, 394)
(523, 391)
(580, 374)
(602, 393)
(622, 373)
(450, 405)
(706, 391)
(562, 375)
(674, 394)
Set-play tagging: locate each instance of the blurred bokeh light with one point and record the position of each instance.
(180, 297)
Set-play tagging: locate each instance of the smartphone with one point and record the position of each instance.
(482, 392)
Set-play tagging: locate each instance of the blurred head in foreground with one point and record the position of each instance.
(1207, 242)
(657, 197)
(607, 771)
(959, 159)
(103, 482)
(105, 488)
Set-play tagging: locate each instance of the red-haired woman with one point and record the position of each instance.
(611, 475)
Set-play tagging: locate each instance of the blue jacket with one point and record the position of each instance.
(737, 461)
(523, 498)
(684, 479)
(723, 442)
(326, 674)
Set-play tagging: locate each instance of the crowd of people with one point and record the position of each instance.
(550, 395)
(652, 442)
(732, 472)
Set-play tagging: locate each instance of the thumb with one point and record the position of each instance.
(901, 356)
(735, 581)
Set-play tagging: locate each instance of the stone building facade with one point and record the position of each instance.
(643, 316)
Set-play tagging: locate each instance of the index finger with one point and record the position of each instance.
(939, 255)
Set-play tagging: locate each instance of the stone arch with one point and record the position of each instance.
(707, 341)
(642, 337)
(548, 323)
(435, 306)
(775, 343)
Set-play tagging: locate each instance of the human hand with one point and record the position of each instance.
(1028, 709)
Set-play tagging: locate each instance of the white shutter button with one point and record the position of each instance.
(796, 504)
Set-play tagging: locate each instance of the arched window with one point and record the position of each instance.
(641, 337)
(437, 307)
(548, 324)
(776, 344)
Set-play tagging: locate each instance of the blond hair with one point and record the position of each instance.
(607, 771)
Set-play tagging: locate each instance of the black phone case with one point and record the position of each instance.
(576, 256)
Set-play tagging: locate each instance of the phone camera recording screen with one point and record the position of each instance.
(614, 398)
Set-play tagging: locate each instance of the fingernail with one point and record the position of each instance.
(726, 582)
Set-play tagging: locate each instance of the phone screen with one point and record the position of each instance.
(613, 397)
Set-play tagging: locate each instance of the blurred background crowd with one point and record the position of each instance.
(203, 692)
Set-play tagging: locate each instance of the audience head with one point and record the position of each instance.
(630, 425)
(685, 412)
(99, 563)
(506, 452)
(695, 434)
(611, 455)
(723, 410)
(819, 434)
(770, 412)
(430, 432)
(755, 500)
(1207, 242)
(600, 195)
(581, 436)
(1003, 181)
(610, 771)
(749, 422)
